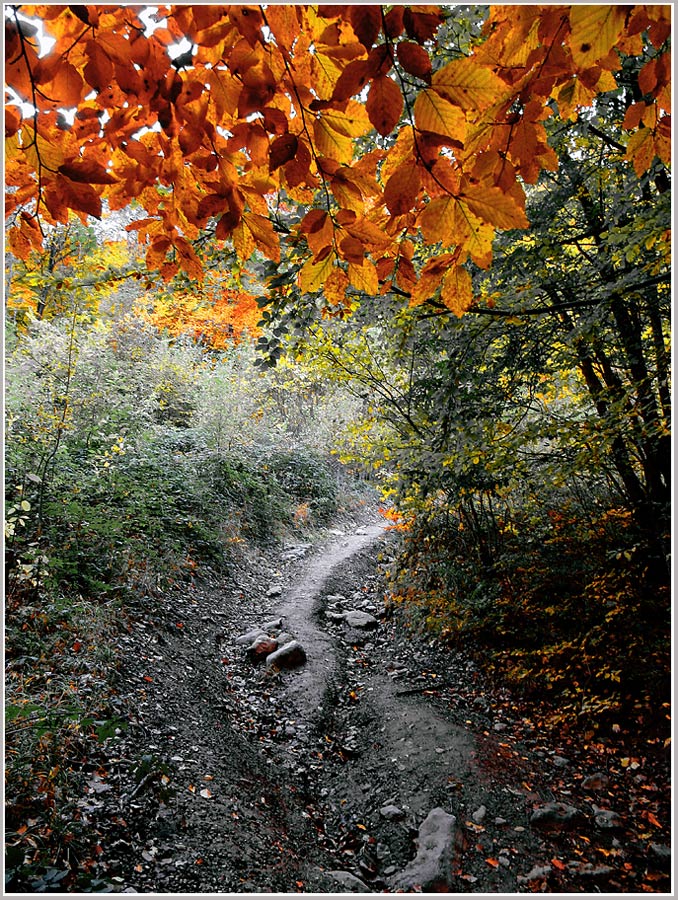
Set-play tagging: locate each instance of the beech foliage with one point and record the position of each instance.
(374, 126)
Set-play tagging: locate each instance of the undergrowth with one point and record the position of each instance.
(572, 613)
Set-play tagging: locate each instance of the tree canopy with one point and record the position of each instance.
(355, 131)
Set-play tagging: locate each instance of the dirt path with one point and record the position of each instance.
(238, 778)
(307, 686)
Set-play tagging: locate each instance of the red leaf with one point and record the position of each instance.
(283, 149)
(414, 59)
(86, 171)
(384, 104)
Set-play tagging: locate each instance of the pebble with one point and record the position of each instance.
(479, 814)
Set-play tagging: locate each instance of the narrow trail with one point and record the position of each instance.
(307, 686)
(236, 777)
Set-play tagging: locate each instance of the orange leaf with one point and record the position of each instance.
(492, 862)
(384, 104)
(352, 80)
(457, 290)
(402, 189)
(653, 820)
(558, 864)
(264, 236)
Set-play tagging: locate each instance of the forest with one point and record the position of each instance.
(270, 270)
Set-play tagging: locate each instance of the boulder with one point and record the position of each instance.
(434, 863)
(274, 625)
(250, 636)
(358, 619)
(284, 638)
(262, 647)
(555, 817)
(289, 656)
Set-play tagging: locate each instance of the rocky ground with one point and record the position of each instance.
(380, 764)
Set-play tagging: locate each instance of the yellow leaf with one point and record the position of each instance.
(492, 205)
(40, 151)
(433, 113)
(479, 242)
(354, 122)
(469, 85)
(314, 274)
(457, 290)
(364, 277)
(331, 144)
(243, 241)
(595, 31)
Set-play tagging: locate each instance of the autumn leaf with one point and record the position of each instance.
(364, 277)
(468, 85)
(402, 189)
(384, 104)
(595, 31)
(434, 113)
(457, 290)
(414, 59)
(314, 273)
(437, 220)
(87, 171)
(492, 205)
(264, 235)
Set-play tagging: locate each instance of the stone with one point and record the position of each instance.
(599, 781)
(249, 637)
(358, 619)
(499, 726)
(351, 882)
(479, 814)
(555, 816)
(607, 819)
(274, 591)
(439, 845)
(273, 625)
(335, 598)
(261, 648)
(334, 616)
(284, 638)
(590, 870)
(560, 761)
(536, 872)
(392, 813)
(289, 656)
(662, 854)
